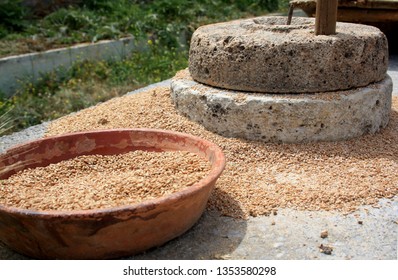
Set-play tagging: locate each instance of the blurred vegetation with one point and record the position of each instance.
(13, 17)
(167, 26)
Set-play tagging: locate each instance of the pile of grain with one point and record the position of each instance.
(259, 177)
(93, 182)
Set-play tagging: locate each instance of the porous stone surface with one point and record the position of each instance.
(285, 118)
(265, 55)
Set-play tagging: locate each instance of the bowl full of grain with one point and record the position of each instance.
(104, 194)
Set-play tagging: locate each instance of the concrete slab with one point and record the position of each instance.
(369, 233)
(393, 72)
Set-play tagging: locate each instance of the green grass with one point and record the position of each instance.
(167, 26)
(165, 20)
(89, 83)
(5, 122)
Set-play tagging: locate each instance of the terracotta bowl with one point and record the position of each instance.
(105, 233)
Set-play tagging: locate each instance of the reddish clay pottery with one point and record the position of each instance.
(105, 233)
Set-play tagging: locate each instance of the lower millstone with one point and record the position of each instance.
(285, 118)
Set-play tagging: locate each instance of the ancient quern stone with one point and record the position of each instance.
(265, 55)
(286, 118)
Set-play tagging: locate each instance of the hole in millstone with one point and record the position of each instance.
(227, 40)
(377, 102)
(270, 108)
(322, 125)
(207, 71)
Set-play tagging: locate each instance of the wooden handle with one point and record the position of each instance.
(326, 17)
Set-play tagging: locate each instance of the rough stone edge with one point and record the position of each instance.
(284, 118)
(340, 62)
(165, 83)
(29, 134)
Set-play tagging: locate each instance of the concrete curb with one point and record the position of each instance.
(393, 72)
(29, 67)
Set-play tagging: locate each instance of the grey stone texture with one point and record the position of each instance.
(265, 55)
(284, 118)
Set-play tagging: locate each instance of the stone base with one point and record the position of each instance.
(285, 118)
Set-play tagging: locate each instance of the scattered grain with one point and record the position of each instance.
(262, 177)
(324, 234)
(96, 181)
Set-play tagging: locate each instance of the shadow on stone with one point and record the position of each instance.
(213, 237)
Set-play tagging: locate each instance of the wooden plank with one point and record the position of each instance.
(369, 4)
(367, 15)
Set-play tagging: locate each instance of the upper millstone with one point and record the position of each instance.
(266, 55)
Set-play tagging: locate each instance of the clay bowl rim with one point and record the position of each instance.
(215, 172)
